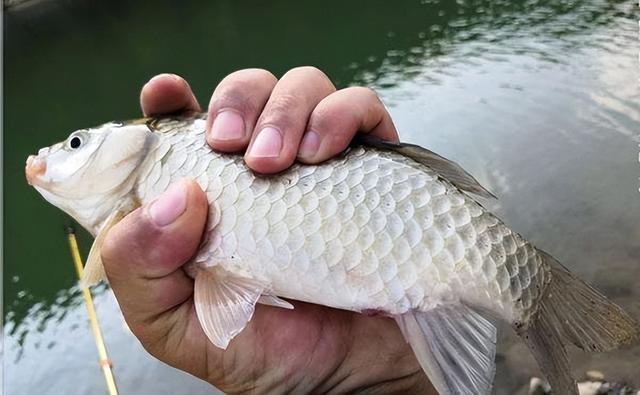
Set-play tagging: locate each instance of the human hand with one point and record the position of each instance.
(309, 349)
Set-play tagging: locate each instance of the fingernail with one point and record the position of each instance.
(309, 145)
(170, 205)
(268, 143)
(228, 125)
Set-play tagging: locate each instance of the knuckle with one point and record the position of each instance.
(283, 102)
(325, 118)
(242, 90)
(129, 240)
(235, 97)
(366, 93)
(309, 72)
(321, 116)
(337, 125)
(249, 76)
(279, 109)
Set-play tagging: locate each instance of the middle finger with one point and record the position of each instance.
(279, 129)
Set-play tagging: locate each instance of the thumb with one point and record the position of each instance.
(144, 252)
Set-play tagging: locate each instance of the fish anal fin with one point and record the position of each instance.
(455, 345)
(447, 169)
(224, 303)
(93, 271)
(272, 300)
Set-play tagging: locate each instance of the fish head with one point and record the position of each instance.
(92, 171)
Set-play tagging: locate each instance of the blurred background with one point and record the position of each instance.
(538, 99)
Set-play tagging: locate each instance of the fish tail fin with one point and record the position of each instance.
(571, 311)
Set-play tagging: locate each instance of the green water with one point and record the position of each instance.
(538, 99)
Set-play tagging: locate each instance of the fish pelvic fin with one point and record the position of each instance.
(571, 311)
(455, 346)
(93, 271)
(273, 300)
(224, 303)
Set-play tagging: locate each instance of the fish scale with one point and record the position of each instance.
(396, 235)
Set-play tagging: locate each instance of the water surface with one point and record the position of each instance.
(538, 99)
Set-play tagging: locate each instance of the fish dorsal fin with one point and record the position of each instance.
(224, 303)
(93, 271)
(154, 123)
(447, 169)
(455, 346)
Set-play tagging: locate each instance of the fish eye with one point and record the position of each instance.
(75, 141)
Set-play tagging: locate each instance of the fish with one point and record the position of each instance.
(383, 228)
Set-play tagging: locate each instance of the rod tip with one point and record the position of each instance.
(70, 230)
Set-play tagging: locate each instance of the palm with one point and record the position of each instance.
(310, 345)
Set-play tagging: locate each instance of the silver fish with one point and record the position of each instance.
(386, 228)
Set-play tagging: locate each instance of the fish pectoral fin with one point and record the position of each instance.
(224, 303)
(93, 271)
(272, 300)
(455, 345)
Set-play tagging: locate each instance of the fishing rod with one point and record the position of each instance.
(105, 363)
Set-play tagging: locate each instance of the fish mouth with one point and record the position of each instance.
(36, 167)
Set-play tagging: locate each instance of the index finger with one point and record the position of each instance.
(165, 94)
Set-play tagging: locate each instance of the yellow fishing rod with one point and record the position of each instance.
(105, 363)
